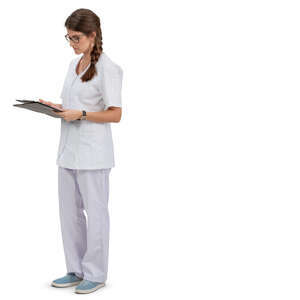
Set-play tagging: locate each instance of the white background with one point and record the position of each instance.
(204, 198)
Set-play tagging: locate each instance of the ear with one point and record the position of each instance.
(93, 35)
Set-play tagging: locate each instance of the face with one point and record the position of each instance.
(84, 42)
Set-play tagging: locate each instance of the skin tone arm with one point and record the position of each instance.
(112, 114)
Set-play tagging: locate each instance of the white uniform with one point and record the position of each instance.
(85, 158)
(85, 144)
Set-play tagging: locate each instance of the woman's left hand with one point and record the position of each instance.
(70, 114)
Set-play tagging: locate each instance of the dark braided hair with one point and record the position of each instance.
(86, 21)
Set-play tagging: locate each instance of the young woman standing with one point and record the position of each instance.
(91, 99)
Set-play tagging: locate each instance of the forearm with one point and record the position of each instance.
(103, 116)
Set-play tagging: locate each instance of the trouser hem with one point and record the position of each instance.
(101, 280)
(80, 275)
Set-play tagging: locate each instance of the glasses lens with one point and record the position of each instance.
(74, 39)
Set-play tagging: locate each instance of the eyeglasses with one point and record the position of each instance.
(74, 38)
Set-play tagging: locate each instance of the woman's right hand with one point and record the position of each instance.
(51, 104)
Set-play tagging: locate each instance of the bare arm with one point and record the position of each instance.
(112, 114)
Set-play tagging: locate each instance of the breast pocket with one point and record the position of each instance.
(88, 93)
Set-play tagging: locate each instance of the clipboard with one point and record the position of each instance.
(39, 107)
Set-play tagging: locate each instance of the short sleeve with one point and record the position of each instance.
(112, 77)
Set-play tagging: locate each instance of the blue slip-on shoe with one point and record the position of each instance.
(68, 280)
(87, 286)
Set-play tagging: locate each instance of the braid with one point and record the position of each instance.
(97, 49)
(95, 54)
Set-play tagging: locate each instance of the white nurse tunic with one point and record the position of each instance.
(85, 144)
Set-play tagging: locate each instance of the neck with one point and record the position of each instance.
(86, 55)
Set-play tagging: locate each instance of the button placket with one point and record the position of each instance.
(67, 128)
(77, 77)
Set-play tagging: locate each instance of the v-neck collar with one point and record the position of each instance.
(76, 63)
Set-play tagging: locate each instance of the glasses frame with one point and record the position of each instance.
(68, 38)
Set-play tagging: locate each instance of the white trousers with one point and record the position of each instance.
(85, 240)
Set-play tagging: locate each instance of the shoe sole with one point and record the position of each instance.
(90, 290)
(65, 284)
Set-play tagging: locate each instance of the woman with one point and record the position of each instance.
(91, 99)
